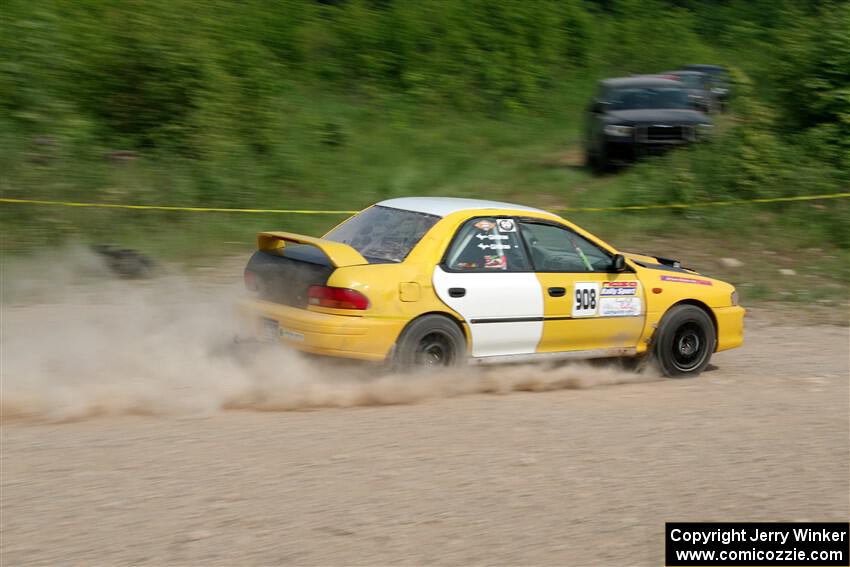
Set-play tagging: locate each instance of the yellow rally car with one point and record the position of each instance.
(444, 281)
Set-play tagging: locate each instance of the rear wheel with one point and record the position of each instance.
(432, 341)
(685, 341)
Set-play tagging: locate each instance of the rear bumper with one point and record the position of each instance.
(730, 327)
(364, 338)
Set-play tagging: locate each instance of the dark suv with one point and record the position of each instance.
(721, 79)
(636, 116)
(700, 88)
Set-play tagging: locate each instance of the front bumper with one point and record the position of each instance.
(625, 151)
(730, 326)
(363, 338)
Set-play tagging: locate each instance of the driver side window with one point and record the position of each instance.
(558, 249)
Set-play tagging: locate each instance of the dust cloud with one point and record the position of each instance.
(78, 343)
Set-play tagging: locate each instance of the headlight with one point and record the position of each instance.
(735, 297)
(617, 130)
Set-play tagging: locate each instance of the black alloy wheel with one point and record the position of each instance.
(684, 341)
(430, 342)
(435, 349)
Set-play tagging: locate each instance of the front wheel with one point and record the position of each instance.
(432, 341)
(589, 158)
(601, 166)
(684, 342)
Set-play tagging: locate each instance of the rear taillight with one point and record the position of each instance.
(250, 280)
(336, 297)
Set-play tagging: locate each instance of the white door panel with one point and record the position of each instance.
(488, 300)
(491, 339)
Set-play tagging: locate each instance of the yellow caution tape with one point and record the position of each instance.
(336, 212)
(710, 203)
(169, 208)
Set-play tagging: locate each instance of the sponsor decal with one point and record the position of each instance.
(585, 299)
(618, 288)
(496, 246)
(506, 225)
(620, 306)
(496, 262)
(271, 330)
(679, 279)
(291, 335)
(484, 225)
(480, 236)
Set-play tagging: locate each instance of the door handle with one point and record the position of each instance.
(457, 291)
(557, 292)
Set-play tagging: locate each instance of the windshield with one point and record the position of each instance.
(691, 81)
(648, 97)
(383, 234)
(718, 74)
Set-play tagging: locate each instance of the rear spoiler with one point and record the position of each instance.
(339, 254)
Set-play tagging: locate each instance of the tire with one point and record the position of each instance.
(430, 342)
(713, 105)
(685, 342)
(601, 165)
(589, 159)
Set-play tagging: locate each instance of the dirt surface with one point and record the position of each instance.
(583, 474)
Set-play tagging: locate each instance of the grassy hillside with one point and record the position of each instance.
(337, 104)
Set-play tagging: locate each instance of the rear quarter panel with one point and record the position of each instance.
(400, 292)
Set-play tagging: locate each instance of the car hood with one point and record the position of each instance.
(643, 116)
(656, 268)
(658, 263)
(647, 259)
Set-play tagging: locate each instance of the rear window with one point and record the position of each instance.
(383, 234)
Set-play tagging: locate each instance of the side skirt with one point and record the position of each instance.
(554, 356)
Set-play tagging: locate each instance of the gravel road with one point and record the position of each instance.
(583, 475)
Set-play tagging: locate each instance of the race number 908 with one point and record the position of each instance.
(584, 299)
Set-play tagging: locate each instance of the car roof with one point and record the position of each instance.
(640, 81)
(703, 67)
(689, 72)
(442, 206)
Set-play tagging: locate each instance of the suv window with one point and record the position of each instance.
(383, 234)
(487, 244)
(558, 249)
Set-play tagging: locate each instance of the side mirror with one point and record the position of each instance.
(619, 263)
(598, 106)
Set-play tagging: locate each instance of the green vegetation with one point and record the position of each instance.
(338, 103)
